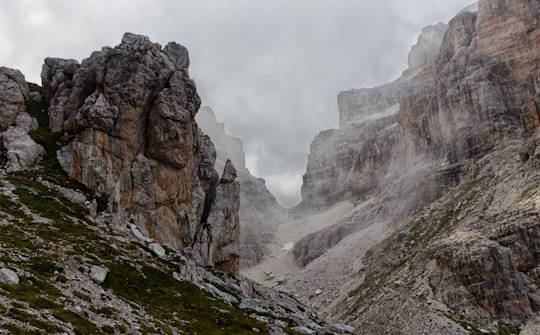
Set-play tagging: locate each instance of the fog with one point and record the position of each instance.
(271, 70)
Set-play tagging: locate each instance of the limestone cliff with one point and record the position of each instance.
(127, 115)
(260, 213)
(461, 127)
(349, 162)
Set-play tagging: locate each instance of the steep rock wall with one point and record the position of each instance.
(350, 162)
(128, 117)
(474, 113)
(486, 84)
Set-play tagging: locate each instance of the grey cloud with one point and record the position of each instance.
(271, 70)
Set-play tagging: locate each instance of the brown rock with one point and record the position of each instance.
(129, 112)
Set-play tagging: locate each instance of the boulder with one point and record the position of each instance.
(157, 249)
(98, 274)
(21, 150)
(9, 277)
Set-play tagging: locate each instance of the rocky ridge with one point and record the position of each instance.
(260, 213)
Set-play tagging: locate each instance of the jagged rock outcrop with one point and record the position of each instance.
(128, 116)
(14, 93)
(21, 151)
(260, 213)
(217, 242)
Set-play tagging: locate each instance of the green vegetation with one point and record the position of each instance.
(508, 329)
(107, 329)
(14, 330)
(425, 230)
(10, 207)
(82, 296)
(167, 298)
(473, 326)
(33, 321)
(82, 326)
(105, 311)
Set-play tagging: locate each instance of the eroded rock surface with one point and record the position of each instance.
(128, 113)
(469, 116)
(21, 151)
(14, 93)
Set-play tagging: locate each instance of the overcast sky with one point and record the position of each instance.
(270, 69)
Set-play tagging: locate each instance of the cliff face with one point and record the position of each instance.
(468, 114)
(260, 213)
(451, 147)
(485, 86)
(128, 117)
(349, 162)
(126, 130)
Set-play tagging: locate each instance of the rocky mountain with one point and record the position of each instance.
(419, 212)
(113, 219)
(127, 114)
(259, 212)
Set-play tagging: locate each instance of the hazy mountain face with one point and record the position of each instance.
(420, 201)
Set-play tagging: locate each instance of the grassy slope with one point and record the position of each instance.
(52, 245)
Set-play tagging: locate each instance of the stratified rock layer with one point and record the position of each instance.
(350, 162)
(470, 116)
(128, 113)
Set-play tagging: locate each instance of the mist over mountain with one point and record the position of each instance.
(127, 208)
(418, 212)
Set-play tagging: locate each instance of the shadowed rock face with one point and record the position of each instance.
(128, 113)
(260, 213)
